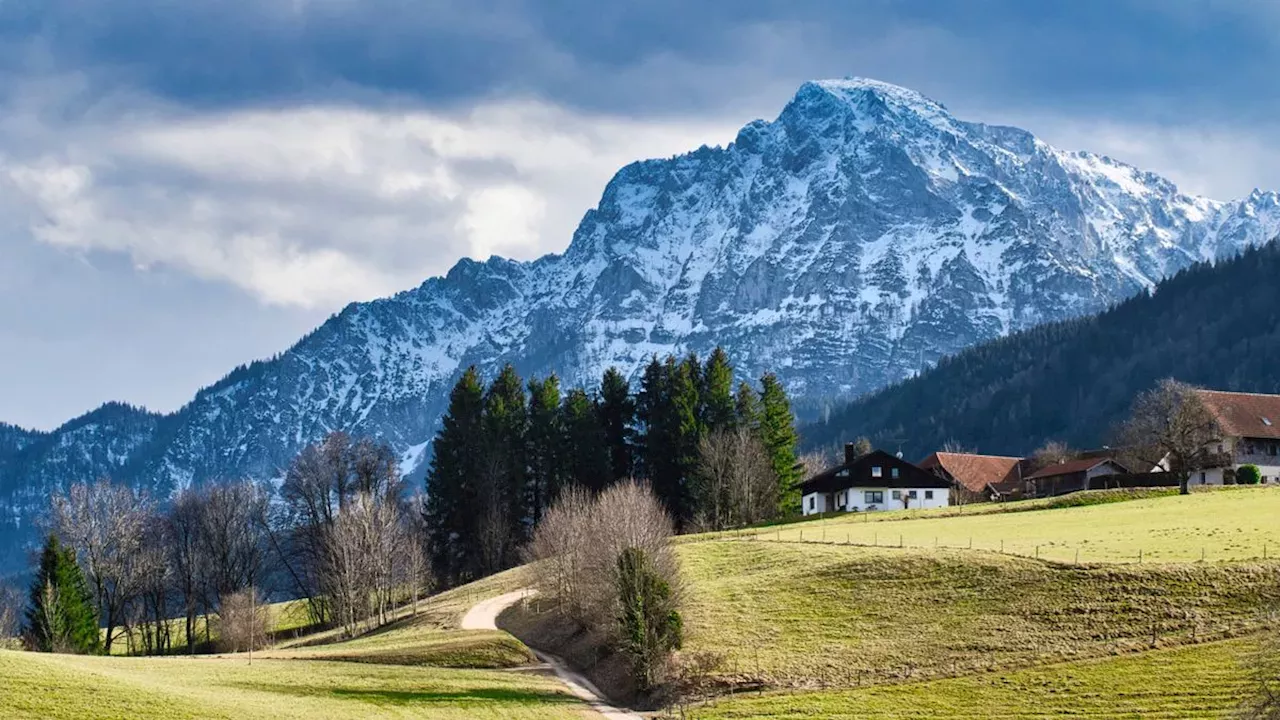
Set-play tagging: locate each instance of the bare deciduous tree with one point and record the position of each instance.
(11, 602)
(187, 562)
(578, 543)
(1051, 452)
(1171, 422)
(242, 622)
(737, 484)
(233, 536)
(105, 524)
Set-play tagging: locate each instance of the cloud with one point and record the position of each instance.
(319, 206)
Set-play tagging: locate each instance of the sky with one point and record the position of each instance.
(185, 187)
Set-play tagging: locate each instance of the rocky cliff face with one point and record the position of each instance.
(853, 241)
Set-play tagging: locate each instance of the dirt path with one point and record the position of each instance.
(484, 616)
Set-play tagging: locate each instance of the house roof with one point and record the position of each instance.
(1073, 466)
(1244, 414)
(859, 474)
(977, 472)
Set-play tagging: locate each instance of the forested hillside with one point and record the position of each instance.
(1216, 326)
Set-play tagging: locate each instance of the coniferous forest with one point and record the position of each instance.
(1212, 325)
(507, 449)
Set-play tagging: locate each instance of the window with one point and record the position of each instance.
(811, 499)
(876, 471)
(897, 494)
(928, 494)
(912, 494)
(894, 473)
(873, 497)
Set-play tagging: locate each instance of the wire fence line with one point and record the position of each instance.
(1047, 552)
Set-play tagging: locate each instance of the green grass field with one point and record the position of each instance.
(1239, 524)
(1203, 681)
(54, 687)
(792, 615)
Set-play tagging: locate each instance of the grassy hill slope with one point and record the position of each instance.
(1219, 525)
(803, 616)
(54, 687)
(1203, 681)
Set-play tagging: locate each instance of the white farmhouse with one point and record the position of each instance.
(1249, 428)
(875, 481)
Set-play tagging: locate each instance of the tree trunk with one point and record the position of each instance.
(1184, 483)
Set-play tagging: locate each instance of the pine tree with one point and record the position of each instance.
(617, 416)
(747, 406)
(686, 430)
(587, 454)
(652, 409)
(61, 616)
(505, 477)
(545, 445)
(778, 433)
(452, 496)
(718, 402)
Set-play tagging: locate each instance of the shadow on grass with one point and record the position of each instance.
(375, 696)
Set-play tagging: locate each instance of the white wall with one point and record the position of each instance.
(816, 501)
(856, 499)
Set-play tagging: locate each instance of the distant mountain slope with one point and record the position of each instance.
(856, 239)
(1211, 325)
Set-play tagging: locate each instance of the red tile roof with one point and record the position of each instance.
(976, 472)
(1071, 466)
(1244, 414)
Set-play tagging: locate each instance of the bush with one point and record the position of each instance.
(649, 626)
(1248, 475)
(577, 544)
(242, 622)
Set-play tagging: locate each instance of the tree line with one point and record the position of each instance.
(339, 533)
(507, 450)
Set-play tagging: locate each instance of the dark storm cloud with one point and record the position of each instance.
(619, 57)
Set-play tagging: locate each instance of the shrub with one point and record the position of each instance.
(649, 626)
(242, 622)
(1248, 475)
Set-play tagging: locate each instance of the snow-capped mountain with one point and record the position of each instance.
(857, 238)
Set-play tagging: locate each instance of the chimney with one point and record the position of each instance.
(850, 453)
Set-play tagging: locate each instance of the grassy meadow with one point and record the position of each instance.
(56, 687)
(1202, 681)
(792, 615)
(1224, 525)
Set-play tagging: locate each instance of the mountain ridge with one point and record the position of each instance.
(853, 241)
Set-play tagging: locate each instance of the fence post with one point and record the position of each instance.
(1077, 556)
(801, 534)
(1037, 552)
(970, 542)
(899, 541)
(1139, 556)
(1001, 546)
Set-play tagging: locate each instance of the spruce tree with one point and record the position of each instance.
(686, 430)
(652, 409)
(587, 454)
(718, 402)
(778, 433)
(545, 445)
(505, 478)
(61, 616)
(747, 406)
(617, 417)
(452, 493)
